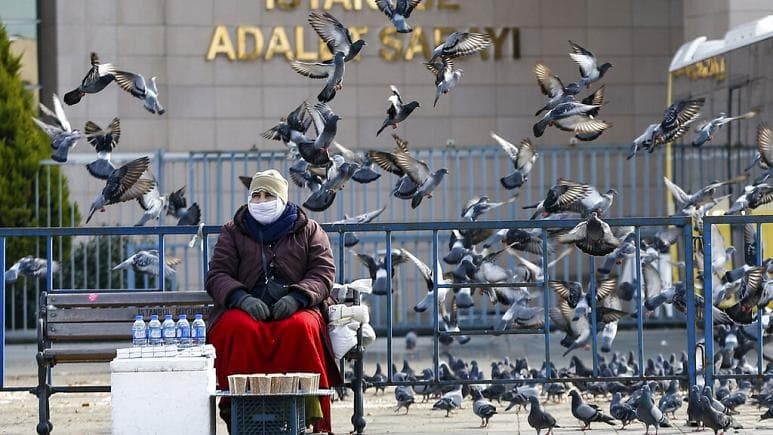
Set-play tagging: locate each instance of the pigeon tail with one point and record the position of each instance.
(386, 124)
(100, 168)
(416, 200)
(540, 126)
(512, 181)
(73, 97)
(365, 175)
(350, 239)
(320, 200)
(327, 94)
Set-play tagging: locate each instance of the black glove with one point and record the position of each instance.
(254, 307)
(285, 307)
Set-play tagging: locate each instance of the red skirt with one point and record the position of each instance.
(244, 345)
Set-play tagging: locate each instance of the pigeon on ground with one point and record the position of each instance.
(446, 404)
(398, 111)
(178, 207)
(333, 70)
(62, 135)
(153, 203)
(482, 407)
(136, 85)
(336, 35)
(539, 418)
(707, 130)
(648, 413)
(461, 44)
(552, 87)
(146, 261)
(522, 157)
(712, 419)
(351, 239)
(593, 237)
(103, 141)
(571, 116)
(398, 12)
(411, 338)
(588, 413)
(291, 129)
(621, 410)
(97, 78)
(31, 267)
(404, 396)
(590, 70)
(123, 184)
(446, 76)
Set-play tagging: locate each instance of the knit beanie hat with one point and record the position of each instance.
(270, 181)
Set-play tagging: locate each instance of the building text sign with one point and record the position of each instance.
(250, 43)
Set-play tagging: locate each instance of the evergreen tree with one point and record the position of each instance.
(22, 146)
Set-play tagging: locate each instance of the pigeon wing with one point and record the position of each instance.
(765, 144)
(465, 43)
(335, 35)
(549, 84)
(509, 148)
(314, 70)
(131, 83)
(60, 115)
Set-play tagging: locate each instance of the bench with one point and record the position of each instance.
(68, 322)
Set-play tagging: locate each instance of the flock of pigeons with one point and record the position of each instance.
(521, 385)
(324, 166)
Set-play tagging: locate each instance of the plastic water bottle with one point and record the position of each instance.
(169, 330)
(139, 332)
(199, 331)
(183, 331)
(154, 331)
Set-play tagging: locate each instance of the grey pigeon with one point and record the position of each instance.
(153, 204)
(707, 130)
(147, 91)
(522, 157)
(97, 78)
(712, 418)
(461, 44)
(648, 413)
(333, 70)
(326, 123)
(590, 69)
(398, 12)
(123, 184)
(480, 205)
(588, 413)
(446, 76)
(621, 410)
(552, 87)
(62, 135)
(593, 237)
(482, 407)
(676, 118)
(410, 340)
(572, 196)
(366, 169)
(539, 418)
(594, 99)
(446, 404)
(643, 141)
(337, 174)
(31, 267)
(291, 129)
(146, 261)
(404, 396)
(752, 197)
(351, 239)
(571, 116)
(376, 266)
(398, 111)
(178, 207)
(336, 35)
(764, 155)
(103, 141)
(703, 196)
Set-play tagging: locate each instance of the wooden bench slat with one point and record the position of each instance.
(138, 298)
(120, 314)
(79, 355)
(93, 331)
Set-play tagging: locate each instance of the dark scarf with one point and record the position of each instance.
(275, 230)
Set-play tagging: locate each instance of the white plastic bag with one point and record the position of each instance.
(343, 338)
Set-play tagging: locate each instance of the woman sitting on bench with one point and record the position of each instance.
(270, 277)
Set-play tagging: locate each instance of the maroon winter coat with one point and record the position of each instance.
(303, 257)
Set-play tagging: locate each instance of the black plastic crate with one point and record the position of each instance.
(268, 415)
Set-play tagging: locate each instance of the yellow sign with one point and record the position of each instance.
(250, 43)
(707, 68)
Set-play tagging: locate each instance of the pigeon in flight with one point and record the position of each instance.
(336, 35)
(397, 111)
(643, 141)
(103, 141)
(351, 239)
(572, 196)
(522, 156)
(291, 129)
(178, 207)
(333, 70)
(461, 44)
(398, 12)
(446, 77)
(63, 137)
(123, 184)
(593, 237)
(676, 119)
(147, 262)
(752, 197)
(707, 130)
(595, 99)
(571, 116)
(31, 267)
(153, 204)
(97, 78)
(552, 87)
(764, 157)
(136, 85)
(377, 269)
(338, 173)
(590, 70)
(702, 196)
(326, 123)
(479, 205)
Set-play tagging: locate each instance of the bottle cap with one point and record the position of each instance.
(167, 316)
(199, 316)
(182, 316)
(138, 317)
(154, 317)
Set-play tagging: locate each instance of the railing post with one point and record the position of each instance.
(708, 296)
(758, 262)
(639, 305)
(435, 309)
(546, 298)
(689, 285)
(2, 312)
(388, 258)
(593, 320)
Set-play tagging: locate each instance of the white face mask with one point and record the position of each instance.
(266, 212)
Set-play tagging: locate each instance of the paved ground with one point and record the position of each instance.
(90, 413)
